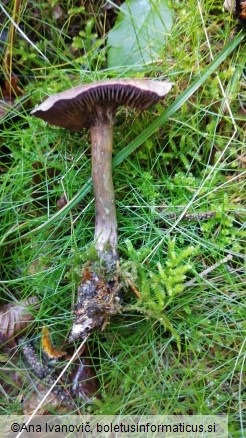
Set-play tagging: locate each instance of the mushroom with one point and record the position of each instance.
(94, 106)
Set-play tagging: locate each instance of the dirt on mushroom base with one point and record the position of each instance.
(94, 106)
(97, 299)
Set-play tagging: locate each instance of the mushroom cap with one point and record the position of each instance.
(81, 106)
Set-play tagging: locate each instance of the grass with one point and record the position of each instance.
(187, 158)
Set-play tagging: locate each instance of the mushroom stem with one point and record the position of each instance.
(105, 222)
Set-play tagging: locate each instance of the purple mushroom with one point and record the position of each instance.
(94, 106)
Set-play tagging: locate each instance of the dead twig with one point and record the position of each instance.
(74, 356)
(189, 216)
(42, 371)
(209, 269)
(133, 288)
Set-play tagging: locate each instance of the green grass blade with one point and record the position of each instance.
(124, 153)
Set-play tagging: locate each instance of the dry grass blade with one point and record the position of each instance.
(22, 33)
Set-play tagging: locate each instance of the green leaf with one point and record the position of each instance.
(140, 32)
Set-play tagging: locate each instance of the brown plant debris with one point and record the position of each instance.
(189, 216)
(238, 8)
(61, 202)
(8, 93)
(84, 381)
(51, 403)
(133, 288)
(42, 371)
(14, 318)
(81, 381)
(48, 347)
(242, 14)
